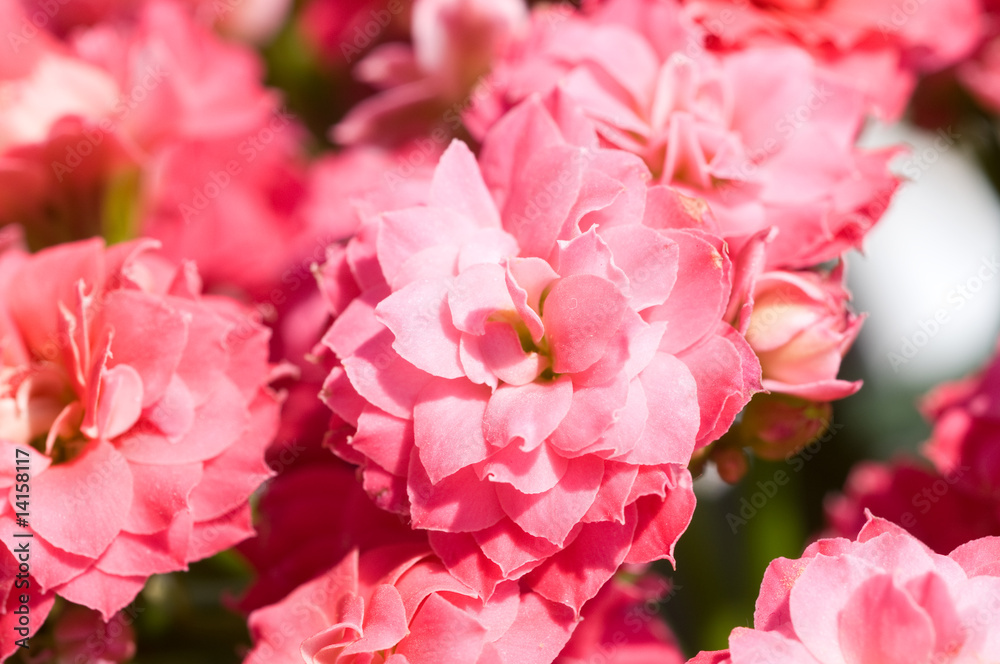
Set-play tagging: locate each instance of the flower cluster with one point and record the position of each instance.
(432, 311)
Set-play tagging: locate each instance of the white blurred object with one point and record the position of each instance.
(930, 276)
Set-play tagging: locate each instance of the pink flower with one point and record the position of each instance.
(878, 47)
(800, 328)
(343, 30)
(966, 437)
(398, 605)
(531, 364)
(883, 598)
(82, 636)
(929, 505)
(142, 408)
(621, 626)
(427, 87)
(764, 135)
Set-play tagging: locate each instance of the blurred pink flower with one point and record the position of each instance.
(426, 87)
(534, 356)
(800, 328)
(142, 407)
(883, 598)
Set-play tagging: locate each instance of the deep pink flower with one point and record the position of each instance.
(399, 605)
(800, 328)
(143, 407)
(931, 506)
(883, 598)
(621, 625)
(535, 355)
(764, 135)
(878, 46)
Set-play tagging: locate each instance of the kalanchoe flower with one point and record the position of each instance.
(879, 47)
(535, 355)
(801, 328)
(764, 135)
(885, 597)
(143, 407)
(397, 604)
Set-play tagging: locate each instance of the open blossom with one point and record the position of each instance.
(800, 328)
(398, 604)
(143, 410)
(883, 598)
(428, 85)
(535, 355)
(879, 46)
(764, 135)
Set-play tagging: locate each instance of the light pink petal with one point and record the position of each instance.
(378, 373)
(159, 493)
(423, 579)
(674, 417)
(384, 439)
(478, 293)
(458, 185)
(121, 401)
(530, 471)
(419, 318)
(592, 411)
(881, 623)
(357, 324)
(649, 260)
(527, 279)
(661, 521)
(448, 426)
(210, 537)
(545, 191)
(747, 645)
(577, 573)
(218, 423)
(81, 506)
(173, 413)
(106, 593)
(465, 560)
(384, 624)
(143, 555)
(539, 632)
(525, 415)
(697, 302)
(556, 512)
(613, 496)
(441, 632)
(459, 503)
(979, 557)
(582, 314)
(504, 357)
(589, 254)
(149, 336)
(512, 549)
(406, 232)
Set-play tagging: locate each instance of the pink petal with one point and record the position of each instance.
(554, 513)
(440, 632)
(82, 505)
(159, 493)
(502, 355)
(378, 373)
(590, 254)
(143, 555)
(210, 537)
(478, 293)
(512, 549)
(384, 439)
(530, 471)
(674, 417)
(458, 185)
(539, 632)
(526, 415)
(404, 233)
(527, 279)
(462, 556)
(149, 337)
(881, 623)
(419, 318)
(979, 557)
(106, 593)
(120, 402)
(460, 502)
(746, 645)
(649, 260)
(661, 521)
(582, 313)
(384, 624)
(448, 427)
(592, 411)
